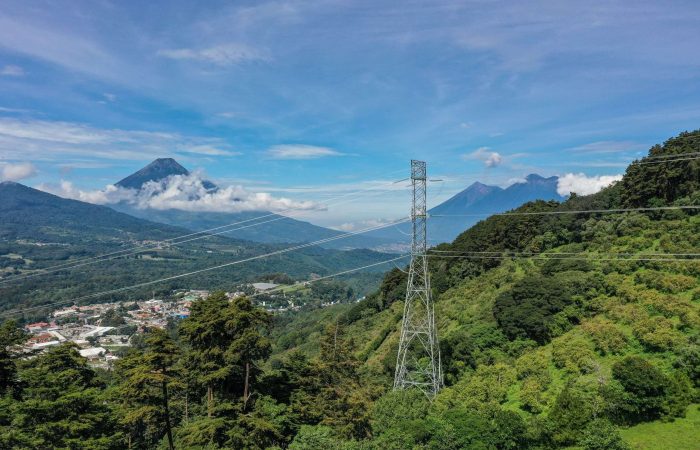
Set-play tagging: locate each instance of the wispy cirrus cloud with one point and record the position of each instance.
(220, 55)
(33, 139)
(300, 151)
(610, 147)
(11, 70)
(209, 150)
(42, 40)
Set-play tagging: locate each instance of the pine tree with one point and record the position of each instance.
(10, 337)
(206, 333)
(226, 341)
(342, 397)
(144, 391)
(62, 405)
(245, 324)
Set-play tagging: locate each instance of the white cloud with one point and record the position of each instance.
(584, 185)
(221, 55)
(11, 71)
(183, 192)
(209, 150)
(490, 158)
(609, 147)
(16, 172)
(42, 140)
(53, 43)
(516, 180)
(300, 152)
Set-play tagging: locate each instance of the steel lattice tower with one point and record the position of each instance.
(418, 359)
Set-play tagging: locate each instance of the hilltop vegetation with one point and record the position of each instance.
(577, 347)
(565, 343)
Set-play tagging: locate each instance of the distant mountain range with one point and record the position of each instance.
(447, 220)
(450, 218)
(478, 201)
(272, 228)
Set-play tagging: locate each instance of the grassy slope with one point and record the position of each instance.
(681, 434)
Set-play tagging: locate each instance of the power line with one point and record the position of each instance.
(121, 254)
(564, 258)
(582, 211)
(680, 157)
(517, 253)
(292, 210)
(356, 269)
(207, 269)
(674, 155)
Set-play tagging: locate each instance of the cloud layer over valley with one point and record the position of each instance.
(182, 192)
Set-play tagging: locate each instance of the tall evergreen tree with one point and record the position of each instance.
(144, 391)
(343, 398)
(62, 405)
(10, 337)
(245, 324)
(207, 336)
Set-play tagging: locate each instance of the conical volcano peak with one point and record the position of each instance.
(158, 170)
(534, 178)
(167, 163)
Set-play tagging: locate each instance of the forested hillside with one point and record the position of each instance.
(558, 329)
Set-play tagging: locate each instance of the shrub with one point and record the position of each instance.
(657, 333)
(606, 337)
(645, 386)
(532, 397)
(600, 434)
(534, 365)
(573, 353)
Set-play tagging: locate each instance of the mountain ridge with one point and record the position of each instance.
(475, 203)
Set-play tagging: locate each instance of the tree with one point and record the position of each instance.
(396, 408)
(62, 404)
(342, 398)
(245, 325)
(527, 310)
(571, 413)
(226, 341)
(645, 388)
(206, 333)
(144, 390)
(10, 337)
(602, 435)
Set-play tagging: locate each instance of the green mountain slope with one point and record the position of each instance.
(575, 341)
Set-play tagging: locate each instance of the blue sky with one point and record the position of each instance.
(308, 100)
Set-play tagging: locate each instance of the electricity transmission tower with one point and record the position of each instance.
(418, 359)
